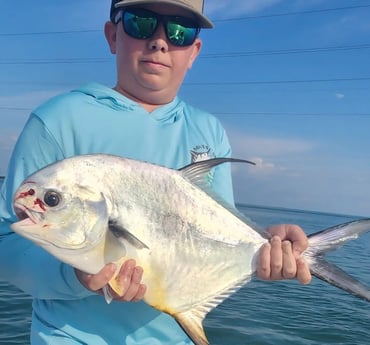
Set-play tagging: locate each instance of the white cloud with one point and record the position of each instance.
(261, 168)
(245, 145)
(261, 164)
(339, 95)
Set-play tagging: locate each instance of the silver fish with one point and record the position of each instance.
(90, 210)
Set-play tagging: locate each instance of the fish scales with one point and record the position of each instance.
(200, 233)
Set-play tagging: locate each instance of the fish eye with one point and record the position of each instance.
(52, 198)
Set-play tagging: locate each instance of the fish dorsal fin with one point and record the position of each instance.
(197, 172)
(123, 235)
(191, 321)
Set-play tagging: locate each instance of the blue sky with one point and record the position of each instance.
(289, 79)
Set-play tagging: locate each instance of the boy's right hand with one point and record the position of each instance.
(129, 277)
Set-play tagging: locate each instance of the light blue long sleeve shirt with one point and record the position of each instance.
(97, 119)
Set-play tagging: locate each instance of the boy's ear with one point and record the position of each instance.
(197, 46)
(110, 35)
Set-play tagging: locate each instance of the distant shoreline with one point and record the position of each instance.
(287, 209)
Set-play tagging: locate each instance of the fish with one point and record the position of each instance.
(90, 210)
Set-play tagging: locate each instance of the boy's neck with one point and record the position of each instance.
(149, 107)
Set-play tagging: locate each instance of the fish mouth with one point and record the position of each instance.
(27, 217)
(29, 225)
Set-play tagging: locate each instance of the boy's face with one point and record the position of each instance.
(151, 70)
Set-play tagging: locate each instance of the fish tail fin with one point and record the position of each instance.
(191, 322)
(331, 239)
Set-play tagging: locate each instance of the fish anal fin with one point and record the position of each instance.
(191, 322)
(114, 283)
(116, 286)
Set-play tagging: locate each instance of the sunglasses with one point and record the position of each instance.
(142, 24)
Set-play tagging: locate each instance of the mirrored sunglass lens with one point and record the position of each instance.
(139, 26)
(180, 35)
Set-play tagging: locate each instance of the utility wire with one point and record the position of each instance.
(292, 13)
(262, 113)
(220, 83)
(249, 113)
(99, 60)
(79, 31)
(40, 33)
(285, 51)
(14, 108)
(53, 61)
(258, 82)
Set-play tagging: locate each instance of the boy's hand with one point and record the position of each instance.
(281, 257)
(129, 277)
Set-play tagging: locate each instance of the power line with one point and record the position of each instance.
(53, 61)
(14, 108)
(40, 33)
(262, 113)
(99, 60)
(257, 82)
(250, 113)
(286, 51)
(83, 31)
(214, 83)
(292, 13)
(43, 83)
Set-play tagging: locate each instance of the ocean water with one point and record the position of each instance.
(261, 313)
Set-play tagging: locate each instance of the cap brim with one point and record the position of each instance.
(202, 20)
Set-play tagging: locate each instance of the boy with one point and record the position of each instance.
(155, 43)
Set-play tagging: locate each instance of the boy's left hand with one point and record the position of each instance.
(281, 257)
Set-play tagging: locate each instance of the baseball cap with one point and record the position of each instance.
(194, 6)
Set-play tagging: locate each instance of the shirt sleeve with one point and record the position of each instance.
(24, 264)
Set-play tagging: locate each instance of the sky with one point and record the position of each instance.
(288, 79)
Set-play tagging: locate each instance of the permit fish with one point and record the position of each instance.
(90, 210)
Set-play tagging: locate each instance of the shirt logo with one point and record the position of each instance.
(201, 153)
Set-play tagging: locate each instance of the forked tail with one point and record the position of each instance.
(328, 240)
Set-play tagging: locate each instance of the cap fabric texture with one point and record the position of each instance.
(195, 6)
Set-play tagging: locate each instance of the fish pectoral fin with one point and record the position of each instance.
(124, 235)
(191, 322)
